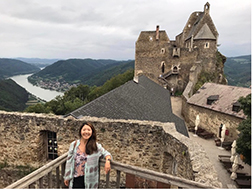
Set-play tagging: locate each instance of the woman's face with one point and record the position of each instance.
(86, 132)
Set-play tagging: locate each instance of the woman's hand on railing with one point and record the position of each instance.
(66, 182)
(107, 166)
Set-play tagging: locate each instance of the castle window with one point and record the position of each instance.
(176, 52)
(189, 25)
(162, 66)
(236, 107)
(150, 38)
(220, 129)
(206, 45)
(175, 69)
(163, 50)
(212, 99)
(52, 147)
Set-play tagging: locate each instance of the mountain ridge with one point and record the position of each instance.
(11, 67)
(76, 71)
(238, 70)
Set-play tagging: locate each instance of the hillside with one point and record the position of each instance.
(11, 67)
(238, 71)
(99, 76)
(38, 61)
(85, 71)
(12, 96)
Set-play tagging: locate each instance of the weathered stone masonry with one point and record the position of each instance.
(152, 145)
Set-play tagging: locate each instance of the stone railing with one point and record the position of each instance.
(51, 176)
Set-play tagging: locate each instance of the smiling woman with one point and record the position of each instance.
(83, 159)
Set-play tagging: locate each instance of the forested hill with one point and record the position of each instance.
(11, 67)
(12, 96)
(85, 71)
(238, 71)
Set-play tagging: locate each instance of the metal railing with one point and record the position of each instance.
(51, 176)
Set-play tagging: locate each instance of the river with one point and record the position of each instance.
(42, 93)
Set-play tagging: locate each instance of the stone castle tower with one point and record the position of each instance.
(173, 63)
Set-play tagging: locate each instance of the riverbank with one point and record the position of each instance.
(40, 93)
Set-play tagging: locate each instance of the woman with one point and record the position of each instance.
(83, 158)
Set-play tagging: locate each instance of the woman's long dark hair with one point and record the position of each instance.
(91, 146)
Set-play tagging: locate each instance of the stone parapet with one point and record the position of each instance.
(148, 144)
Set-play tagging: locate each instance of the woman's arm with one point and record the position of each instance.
(107, 164)
(69, 162)
(107, 156)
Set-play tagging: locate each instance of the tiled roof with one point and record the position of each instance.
(195, 24)
(205, 33)
(144, 100)
(228, 95)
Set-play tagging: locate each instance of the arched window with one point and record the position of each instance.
(162, 66)
(163, 50)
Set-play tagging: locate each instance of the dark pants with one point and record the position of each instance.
(78, 182)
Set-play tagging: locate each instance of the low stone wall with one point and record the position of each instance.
(211, 120)
(152, 145)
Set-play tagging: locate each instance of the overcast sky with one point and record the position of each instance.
(108, 29)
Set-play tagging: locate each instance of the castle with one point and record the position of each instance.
(170, 63)
(157, 145)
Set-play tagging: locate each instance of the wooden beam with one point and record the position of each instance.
(118, 177)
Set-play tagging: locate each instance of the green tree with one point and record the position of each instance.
(80, 95)
(244, 140)
(38, 108)
(72, 105)
(81, 92)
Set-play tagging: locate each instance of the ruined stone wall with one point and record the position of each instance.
(150, 55)
(148, 58)
(141, 143)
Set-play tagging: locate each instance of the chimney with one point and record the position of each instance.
(206, 8)
(135, 79)
(157, 32)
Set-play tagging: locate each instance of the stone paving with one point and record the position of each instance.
(212, 150)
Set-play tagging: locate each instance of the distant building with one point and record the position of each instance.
(169, 63)
(139, 99)
(216, 105)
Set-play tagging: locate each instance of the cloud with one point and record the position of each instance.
(109, 29)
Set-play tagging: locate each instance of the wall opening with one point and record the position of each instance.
(206, 45)
(175, 69)
(169, 164)
(162, 67)
(163, 50)
(236, 107)
(220, 129)
(50, 145)
(212, 99)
